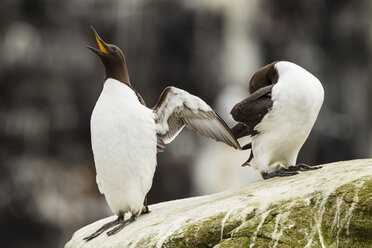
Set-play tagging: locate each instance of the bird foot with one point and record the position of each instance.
(145, 210)
(279, 173)
(121, 226)
(303, 167)
(104, 228)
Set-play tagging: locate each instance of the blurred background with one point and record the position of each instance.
(49, 83)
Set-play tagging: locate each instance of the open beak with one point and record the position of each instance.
(102, 46)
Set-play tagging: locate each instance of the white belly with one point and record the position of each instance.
(297, 98)
(124, 147)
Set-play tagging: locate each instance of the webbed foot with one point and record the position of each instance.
(303, 167)
(104, 228)
(279, 173)
(121, 226)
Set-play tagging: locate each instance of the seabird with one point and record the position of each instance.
(279, 114)
(126, 135)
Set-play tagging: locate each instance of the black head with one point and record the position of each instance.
(112, 58)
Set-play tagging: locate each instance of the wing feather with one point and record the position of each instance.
(252, 110)
(177, 108)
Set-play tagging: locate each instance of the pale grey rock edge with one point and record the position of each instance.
(330, 207)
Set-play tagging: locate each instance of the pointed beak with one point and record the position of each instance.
(102, 46)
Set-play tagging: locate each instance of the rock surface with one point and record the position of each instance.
(330, 207)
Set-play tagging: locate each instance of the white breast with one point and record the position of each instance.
(297, 98)
(124, 147)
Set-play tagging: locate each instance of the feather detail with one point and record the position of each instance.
(177, 108)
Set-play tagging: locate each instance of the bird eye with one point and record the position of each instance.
(114, 49)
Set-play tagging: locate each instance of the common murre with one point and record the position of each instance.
(278, 115)
(126, 135)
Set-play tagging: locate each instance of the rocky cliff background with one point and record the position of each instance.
(49, 83)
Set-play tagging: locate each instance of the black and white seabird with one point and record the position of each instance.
(126, 135)
(279, 114)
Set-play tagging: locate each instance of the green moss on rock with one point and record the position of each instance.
(291, 223)
(295, 223)
(348, 216)
(234, 242)
(203, 233)
(337, 214)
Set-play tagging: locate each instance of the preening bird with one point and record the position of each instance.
(279, 114)
(126, 135)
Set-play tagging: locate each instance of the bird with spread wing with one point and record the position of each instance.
(126, 135)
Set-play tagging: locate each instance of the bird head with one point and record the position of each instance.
(112, 58)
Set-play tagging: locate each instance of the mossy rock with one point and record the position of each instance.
(330, 207)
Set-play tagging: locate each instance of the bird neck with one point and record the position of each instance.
(118, 72)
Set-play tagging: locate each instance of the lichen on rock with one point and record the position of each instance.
(330, 207)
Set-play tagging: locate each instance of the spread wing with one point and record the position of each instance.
(251, 111)
(177, 108)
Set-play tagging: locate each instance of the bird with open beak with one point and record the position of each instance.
(126, 135)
